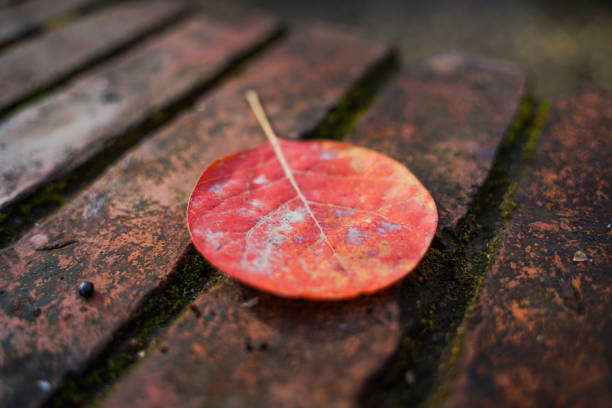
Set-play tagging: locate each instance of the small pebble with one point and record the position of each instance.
(86, 289)
(43, 385)
(251, 302)
(409, 377)
(579, 256)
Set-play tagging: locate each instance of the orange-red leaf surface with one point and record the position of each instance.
(345, 221)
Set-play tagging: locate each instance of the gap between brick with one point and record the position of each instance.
(159, 27)
(55, 22)
(437, 298)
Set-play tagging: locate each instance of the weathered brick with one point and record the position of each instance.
(61, 132)
(282, 352)
(26, 68)
(128, 229)
(6, 3)
(279, 352)
(541, 333)
(444, 119)
(23, 18)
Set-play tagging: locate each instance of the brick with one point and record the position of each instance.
(26, 68)
(31, 15)
(128, 228)
(541, 333)
(281, 352)
(444, 119)
(6, 3)
(61, 132)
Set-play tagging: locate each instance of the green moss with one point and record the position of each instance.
(141, 333)
(433, 260)
(447, 370)
(60, 21)
(535, 129)
(501, 188)
(439, 296)
(341, 120)
(508, 205)
(20, 216)
(523, 116)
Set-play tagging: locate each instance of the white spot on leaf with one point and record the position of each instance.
(355, 236)
(218, 188)
(384, 227)
(261, 179)
(276, 235)
(214, 238)
(341, 212)
(247, 212)
(327, 155)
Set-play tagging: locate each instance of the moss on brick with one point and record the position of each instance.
(19, 217)
(194, 276)
(441, 293)
(341, 120)
(140, 334)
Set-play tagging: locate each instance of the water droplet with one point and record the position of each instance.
(43, 385)
(579, 256)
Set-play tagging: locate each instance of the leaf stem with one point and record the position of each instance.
(260, 115)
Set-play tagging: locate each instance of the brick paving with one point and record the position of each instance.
(29, 67)
(449, 113)
(541, 333)
(538, 334)
(29, 16)
(63, 130)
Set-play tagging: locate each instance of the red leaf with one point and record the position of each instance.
(317, 219)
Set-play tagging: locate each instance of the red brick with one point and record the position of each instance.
(23, 18)
(61, 132)
(129, 226)
(296, 353)
(38, 63)
(541, 334)
(444, 119)
(279, 352)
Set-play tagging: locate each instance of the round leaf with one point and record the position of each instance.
(354, 220)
